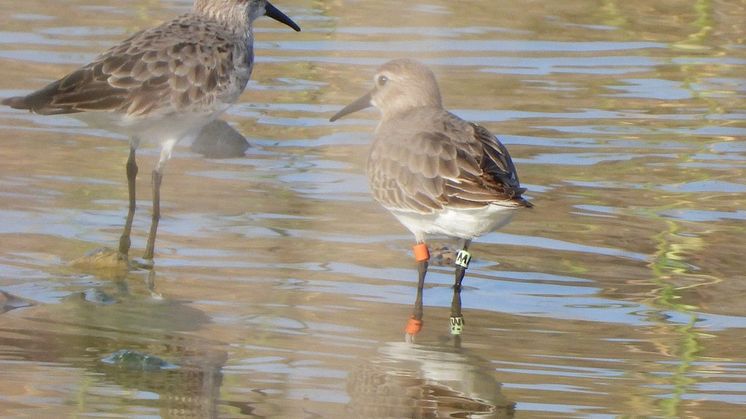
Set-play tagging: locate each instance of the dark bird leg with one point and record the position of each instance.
(462, 262)
(124, 240)
(157, 177)
(421, 255)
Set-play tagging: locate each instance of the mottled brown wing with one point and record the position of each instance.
(458, 164)
(165, 67)
(410, 174)
(79, 91)
(486, 173)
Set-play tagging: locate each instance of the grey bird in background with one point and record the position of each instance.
(435, 172)
(161, 85)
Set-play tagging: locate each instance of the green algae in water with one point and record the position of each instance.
(137, 361)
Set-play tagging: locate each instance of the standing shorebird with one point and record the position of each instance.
(161, 85)
(437, 173)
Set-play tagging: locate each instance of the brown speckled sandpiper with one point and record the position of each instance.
(161, 85)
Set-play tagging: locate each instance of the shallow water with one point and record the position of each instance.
(281, 289)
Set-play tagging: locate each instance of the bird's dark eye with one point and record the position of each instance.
(382, 80)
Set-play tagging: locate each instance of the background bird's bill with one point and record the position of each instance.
(276, 14)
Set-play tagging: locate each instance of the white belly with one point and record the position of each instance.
(154, 129)
(460, 223)
(163, 130)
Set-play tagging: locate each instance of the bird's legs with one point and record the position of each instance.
(462, 262)
(166, 149)
(421, 255)
(157, 177)
(124, 240)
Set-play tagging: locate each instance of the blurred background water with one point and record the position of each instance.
(281, 289)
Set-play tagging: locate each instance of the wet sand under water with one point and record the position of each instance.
(281, 289)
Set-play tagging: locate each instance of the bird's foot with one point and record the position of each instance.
(103, 258)
(144, 264)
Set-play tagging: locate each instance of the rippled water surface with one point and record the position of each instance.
(281, 288)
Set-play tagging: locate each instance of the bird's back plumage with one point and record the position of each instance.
(190, 64)
(427, 159)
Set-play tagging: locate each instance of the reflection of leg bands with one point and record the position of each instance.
(463, 258)
(413, 326)
(457, 325)
(420, 252)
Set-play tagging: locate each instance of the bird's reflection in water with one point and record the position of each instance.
(188, 389)
(409, 380)
(184, 372)
(137, 350)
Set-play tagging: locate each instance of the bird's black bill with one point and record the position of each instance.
(277, 15)
(355, 106)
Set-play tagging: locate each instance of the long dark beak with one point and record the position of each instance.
(362, 103)
(277, 15)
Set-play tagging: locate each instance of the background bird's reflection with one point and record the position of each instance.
(132, 344)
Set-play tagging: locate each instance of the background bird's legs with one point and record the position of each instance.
(157, 177)
(166, 149)
(124, 240)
